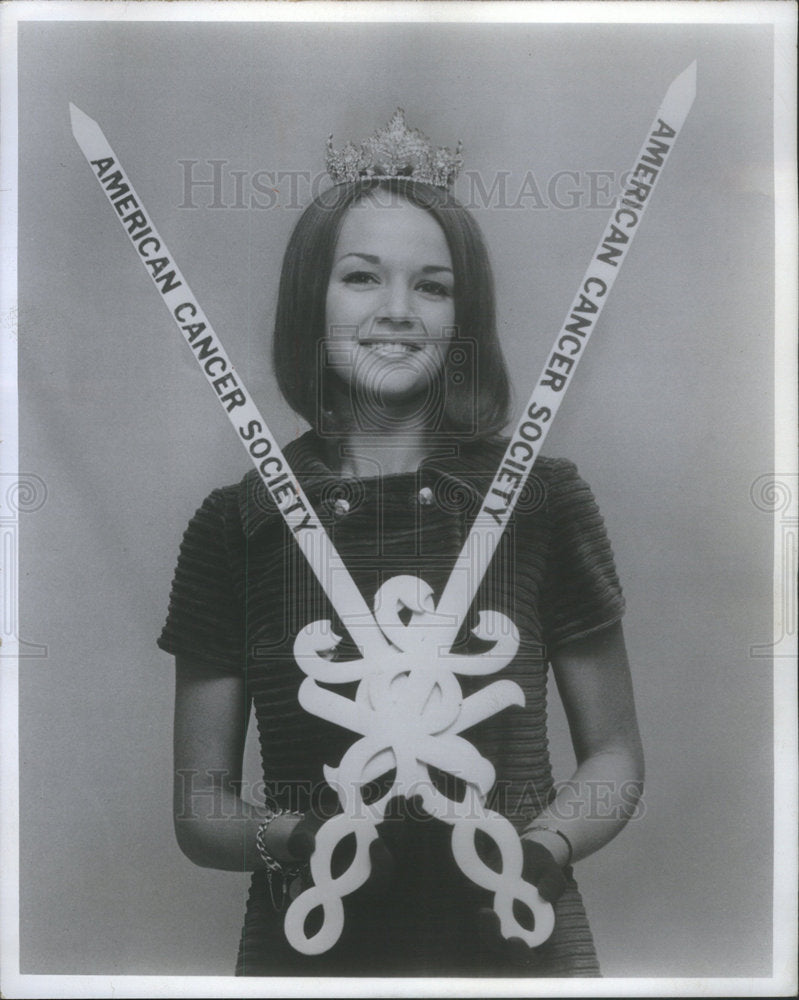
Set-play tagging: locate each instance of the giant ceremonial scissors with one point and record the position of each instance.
(409, 711)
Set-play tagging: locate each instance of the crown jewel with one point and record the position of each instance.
(394, 151)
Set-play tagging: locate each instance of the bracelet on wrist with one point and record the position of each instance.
(544, 828)
(286, 871)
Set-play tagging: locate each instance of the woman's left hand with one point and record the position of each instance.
(541, 870)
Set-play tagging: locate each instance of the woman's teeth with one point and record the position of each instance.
(392, 347)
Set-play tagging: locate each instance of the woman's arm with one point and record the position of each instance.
(593, 678)
(214, 826)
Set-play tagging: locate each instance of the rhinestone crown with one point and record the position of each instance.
(394, 151)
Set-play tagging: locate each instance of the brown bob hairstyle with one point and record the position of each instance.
(476, 406)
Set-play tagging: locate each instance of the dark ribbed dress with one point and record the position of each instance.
(242, 591)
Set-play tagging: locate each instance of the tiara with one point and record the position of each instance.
(394, 151)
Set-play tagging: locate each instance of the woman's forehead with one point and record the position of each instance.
(370, 226)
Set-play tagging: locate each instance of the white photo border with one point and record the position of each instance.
(783, 18)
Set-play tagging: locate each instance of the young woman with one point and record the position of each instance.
(385, 342)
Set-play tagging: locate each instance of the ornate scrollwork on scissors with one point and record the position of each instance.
(409, 711)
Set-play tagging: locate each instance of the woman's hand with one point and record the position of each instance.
(284, 840)
(541, 870)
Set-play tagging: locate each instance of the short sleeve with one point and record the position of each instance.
(583, 593)
(205, 619)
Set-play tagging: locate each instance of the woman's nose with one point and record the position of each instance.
(396, 306)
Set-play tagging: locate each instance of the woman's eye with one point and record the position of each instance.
(433, 288)
(359, 278)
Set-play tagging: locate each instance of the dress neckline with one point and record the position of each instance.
(307, 455)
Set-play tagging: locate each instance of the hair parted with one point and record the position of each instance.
(302, 295)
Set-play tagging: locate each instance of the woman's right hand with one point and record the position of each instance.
(289, 838)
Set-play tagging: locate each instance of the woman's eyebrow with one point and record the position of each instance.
(370, 258)
(373, 259)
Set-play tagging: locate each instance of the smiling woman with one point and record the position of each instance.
(385, 341)
(319, 290)
(390, 308)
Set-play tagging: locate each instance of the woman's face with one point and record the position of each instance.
(390, 308)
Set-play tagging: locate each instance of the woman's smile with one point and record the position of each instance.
(392, 346)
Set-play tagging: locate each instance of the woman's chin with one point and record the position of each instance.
(394, 388)
(395, 407)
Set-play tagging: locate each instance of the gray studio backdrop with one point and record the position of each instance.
(670, 420)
